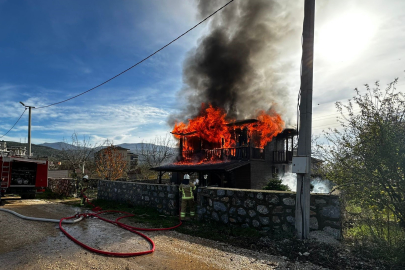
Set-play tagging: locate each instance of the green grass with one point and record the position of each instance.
(147, 215)
(209, 230)
(376, 237)
(48, 194)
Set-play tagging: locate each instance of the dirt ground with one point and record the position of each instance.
(41, 245)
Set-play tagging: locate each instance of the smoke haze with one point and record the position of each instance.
(238, 65)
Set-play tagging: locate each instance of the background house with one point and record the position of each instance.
(131, 158)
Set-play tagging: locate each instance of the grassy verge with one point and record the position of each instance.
(377, 241)
(48, 194)
(146, 215)
(209, 230)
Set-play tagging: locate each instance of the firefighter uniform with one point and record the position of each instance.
(187, 197)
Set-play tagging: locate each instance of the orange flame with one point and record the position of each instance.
(269, 126)
(211, 126)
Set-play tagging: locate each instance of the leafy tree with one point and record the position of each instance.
(366, 158)
(275, 183)
(110, 163)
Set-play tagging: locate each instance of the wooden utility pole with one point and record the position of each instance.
(302, 211)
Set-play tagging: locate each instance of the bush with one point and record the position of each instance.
(275, 183)
(49, 194)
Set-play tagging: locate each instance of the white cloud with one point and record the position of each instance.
(120, 123)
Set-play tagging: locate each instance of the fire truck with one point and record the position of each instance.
(21, 174)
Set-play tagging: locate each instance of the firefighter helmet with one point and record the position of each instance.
(86, 177)
(186, 176)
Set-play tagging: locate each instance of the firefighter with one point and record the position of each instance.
(187, 197)
(83, 185)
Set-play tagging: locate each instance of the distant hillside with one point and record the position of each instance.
(53, 150)
(38, 150)
(64, 146)
(133, 147)
(57, 145)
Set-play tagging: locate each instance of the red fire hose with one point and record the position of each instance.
(136, 230)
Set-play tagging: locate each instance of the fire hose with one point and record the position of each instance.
(97, 212)
(132, 229)
(79, 218)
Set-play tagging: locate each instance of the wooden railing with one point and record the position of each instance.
(282, 156)
(242, 153)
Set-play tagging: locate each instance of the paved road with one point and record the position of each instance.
(39, 245)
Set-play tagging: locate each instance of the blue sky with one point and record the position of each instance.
(53, 50)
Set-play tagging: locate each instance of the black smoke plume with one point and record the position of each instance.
(237, 65)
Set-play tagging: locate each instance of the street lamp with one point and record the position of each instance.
(29, 127)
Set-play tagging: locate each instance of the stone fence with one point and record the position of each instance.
(260, 209)
(267, 210)
(164, 198)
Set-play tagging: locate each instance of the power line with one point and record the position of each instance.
(328, 126)
(149, 56)
(14, 123)
(333, 114)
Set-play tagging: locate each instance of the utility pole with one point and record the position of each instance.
(29, 127)
(302, 163)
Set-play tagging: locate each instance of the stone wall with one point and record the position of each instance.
(267, 210)
(259, 209)
(164, 198)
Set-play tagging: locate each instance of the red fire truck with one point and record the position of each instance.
(22, 175)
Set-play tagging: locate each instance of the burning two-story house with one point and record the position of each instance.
(235, 154)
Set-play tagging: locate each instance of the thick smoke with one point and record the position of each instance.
(237, 66)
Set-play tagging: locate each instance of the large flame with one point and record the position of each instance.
(269, 126)
(211, 126)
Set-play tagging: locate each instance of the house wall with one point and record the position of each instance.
(258, 209)
(131, 158)
(241, 177)
(261, 170)
(260, 173)
(58, 174)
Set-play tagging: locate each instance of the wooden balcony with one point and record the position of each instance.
(236, 153)
(282, 157)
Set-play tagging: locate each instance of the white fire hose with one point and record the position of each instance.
(41, 219)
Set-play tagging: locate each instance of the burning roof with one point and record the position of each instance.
(213, 125)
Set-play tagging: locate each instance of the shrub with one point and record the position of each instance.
(275, 183)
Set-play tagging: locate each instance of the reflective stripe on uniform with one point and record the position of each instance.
(184, 194)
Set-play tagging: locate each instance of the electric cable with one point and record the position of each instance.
(144, 59)
(14, 123)
(332, 115)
